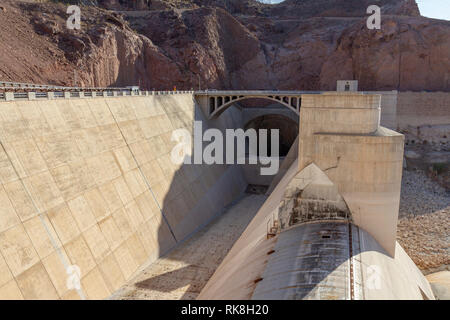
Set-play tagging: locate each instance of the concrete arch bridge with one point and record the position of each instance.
(214, 102)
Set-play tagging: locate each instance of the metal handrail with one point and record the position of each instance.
(20, 85)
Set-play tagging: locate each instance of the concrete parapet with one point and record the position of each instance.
(9, 96)
(31, 95)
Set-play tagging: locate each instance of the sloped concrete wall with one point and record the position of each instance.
(285, 165)
(254, 257)
(238, 274)
(88, 184)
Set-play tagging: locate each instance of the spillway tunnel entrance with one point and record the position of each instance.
(288, 131)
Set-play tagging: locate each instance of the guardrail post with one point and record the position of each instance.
(114, 93)
(66, 95)
(9, 96)
(31, 95)
(105, 94)
(81, 94)
(50, 95)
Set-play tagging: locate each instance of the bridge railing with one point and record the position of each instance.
(25, 91)
(11, 86)
(214, 92)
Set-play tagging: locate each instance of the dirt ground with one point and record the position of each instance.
(183, 273)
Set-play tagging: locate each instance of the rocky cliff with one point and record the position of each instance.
(225, 44)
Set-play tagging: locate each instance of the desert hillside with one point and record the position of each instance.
(304, 45)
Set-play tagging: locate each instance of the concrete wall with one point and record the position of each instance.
(388, 116)
(291, 273)
(89, 182)
(249, 114)
(402, 110)
(377, 274)
(284, 166)
(423, 108)
(237, 275)
(252, 173)
(342, 136)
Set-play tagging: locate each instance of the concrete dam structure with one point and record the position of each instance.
(328, 227)
(89, 182)
(89, 191)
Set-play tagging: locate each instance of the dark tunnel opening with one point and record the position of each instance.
(288, 131)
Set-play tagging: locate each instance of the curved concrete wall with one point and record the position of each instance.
(327, 266)
(88, 184)
(299, 263)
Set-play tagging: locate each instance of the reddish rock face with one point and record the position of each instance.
(406, 54)
(240, 44)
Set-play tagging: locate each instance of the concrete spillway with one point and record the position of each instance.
(183, 272)
(328, 227)
(89, 192)
(88, 189)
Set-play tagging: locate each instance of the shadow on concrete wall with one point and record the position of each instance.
(197, 194)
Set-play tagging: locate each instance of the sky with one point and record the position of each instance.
(438, 9)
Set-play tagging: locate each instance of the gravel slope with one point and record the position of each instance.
(424, 222)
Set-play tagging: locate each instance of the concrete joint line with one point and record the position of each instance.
(44, 224)
(143, 175)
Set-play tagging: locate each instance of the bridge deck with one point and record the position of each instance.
(253, 92)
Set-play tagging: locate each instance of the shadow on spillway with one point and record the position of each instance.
(194, 235)
(190, 197)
